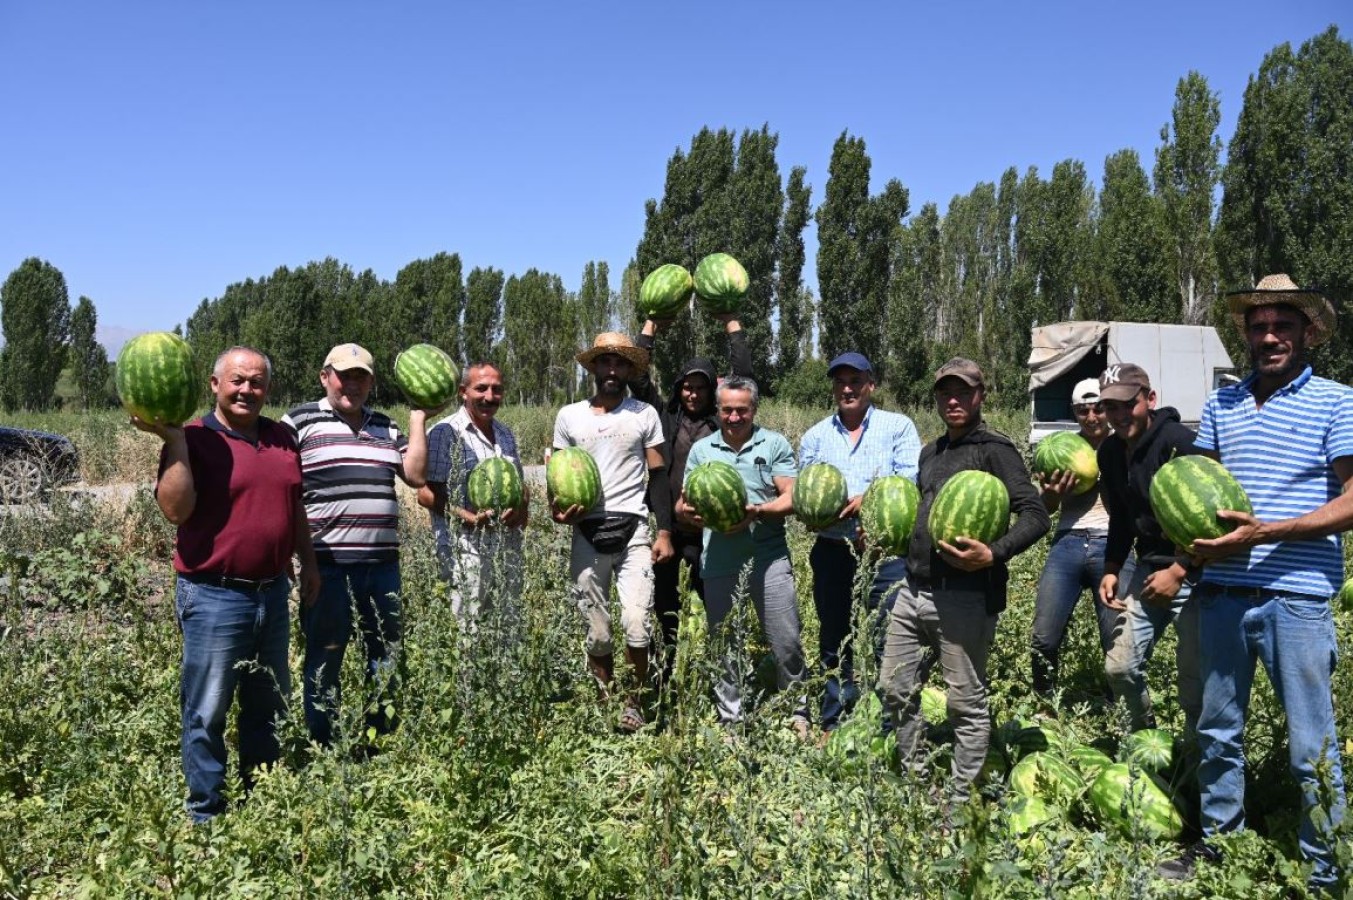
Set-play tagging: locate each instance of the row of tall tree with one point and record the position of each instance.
(908, 289)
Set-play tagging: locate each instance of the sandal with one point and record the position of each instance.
(632, 719)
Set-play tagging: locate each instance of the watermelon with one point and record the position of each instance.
(1025, 813)
(156, 381)
(971, 504)
(1067, 451)
(495, 484)
(572, 478)
(1048, 778)
(665, 291)
(1344, 599)
(934, 706)
(819, 494)
(426, 376)
(1088, 761)
(720, 283)
(1034, 739)
(1186, 493)
(1135, 802)
(1151, 749)
(717, 492)
(888, 513)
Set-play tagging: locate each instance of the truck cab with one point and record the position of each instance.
(1185, 363)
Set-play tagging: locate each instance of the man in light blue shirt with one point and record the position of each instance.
(865, 443)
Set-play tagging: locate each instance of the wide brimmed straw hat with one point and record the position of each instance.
(1273, 289)
(617, 343)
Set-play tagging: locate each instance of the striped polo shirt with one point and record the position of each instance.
(348, 480)
(888, 445)
(1282, 454)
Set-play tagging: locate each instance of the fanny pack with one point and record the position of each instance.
(611, 534)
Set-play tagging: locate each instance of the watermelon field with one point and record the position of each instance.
(507, 777)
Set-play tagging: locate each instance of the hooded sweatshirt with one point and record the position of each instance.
(1125, 478)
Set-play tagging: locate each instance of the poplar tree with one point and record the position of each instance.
(35, 318)
(483, 313)
(790, 258)
(1132, 249)
(87, 359)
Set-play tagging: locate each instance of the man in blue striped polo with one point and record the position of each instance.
(864, 443)
(350, 456)
(1287, 437)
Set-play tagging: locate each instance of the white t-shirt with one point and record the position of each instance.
(618, 441)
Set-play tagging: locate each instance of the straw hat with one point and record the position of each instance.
(617, 343)
(1282, 289)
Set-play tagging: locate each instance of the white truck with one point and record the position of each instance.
(1185, 363)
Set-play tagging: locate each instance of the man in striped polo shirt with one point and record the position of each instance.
(1287, 437)
(350, 455)
(864, 443)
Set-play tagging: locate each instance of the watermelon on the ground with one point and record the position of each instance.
(934, 705)
(1135, 802)
(155, 378)
(1151, 748)
(971, 504)
(1088, 761)
(427, 376)
(720, 283)
(1026, 812)
(1047, 777)
(1186, 494)
(1344, 599)
(888, 513)
(1035, 739)
(665, 291)
(819, 495)
(572, 478)
(1067, 451)
(495, 484)
(718, 493)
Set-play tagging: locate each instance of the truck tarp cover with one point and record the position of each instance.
(1057, 348)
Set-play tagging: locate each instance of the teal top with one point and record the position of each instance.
(765, 456)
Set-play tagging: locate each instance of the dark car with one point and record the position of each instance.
(34, 462)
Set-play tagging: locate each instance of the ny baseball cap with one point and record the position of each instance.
(1123, 381)
(349, 356)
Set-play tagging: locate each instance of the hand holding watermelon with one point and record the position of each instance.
(971, 557)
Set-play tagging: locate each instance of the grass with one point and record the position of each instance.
(506, 777)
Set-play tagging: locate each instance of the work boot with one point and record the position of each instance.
(1181, 867)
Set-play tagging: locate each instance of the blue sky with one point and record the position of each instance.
(156, 152)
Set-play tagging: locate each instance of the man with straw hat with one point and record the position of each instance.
(611, 540)
(1264, 594)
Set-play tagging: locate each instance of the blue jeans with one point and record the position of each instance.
(374, 590)
(834, 569)
(1293, 635)
(233, 641)
(771, 587)
(1075, 564)
(1139, 629)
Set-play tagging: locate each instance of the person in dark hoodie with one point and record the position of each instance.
(946, 609)
(1144, 438)
(687, 415)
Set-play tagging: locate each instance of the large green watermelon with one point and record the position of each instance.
(155, 378)
(1135, 802)
(495, 484)
(572, 478)
(1026, 813)
(888, 513)
(1344, 599)
(1068, 451)
(717, 492)
(426, 376)
(972, 504)
(720, 283)
(819, 494)
(1186, 494)
(1048, 778)
(665, 291)
(1088, 761)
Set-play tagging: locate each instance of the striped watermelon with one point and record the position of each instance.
(1151, 749)
(665, 291)
(888, 513)
(819, 494)
(1026, 814)
(427, 376)
(156, 381)
(1186, 493)
(1088, 761)
(1068, 451)
(720, 283)
(1135, 802)
(1047, 777)
(971, 504)
(1344, 599)
(495, 484)
(572, 477)
(717, 492)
